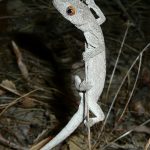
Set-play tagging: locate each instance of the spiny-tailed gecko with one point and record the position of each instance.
(79, 14)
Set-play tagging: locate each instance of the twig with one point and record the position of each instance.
(114, 99)
(10, 144)
(123, 83)
(140, 62)
(18, 94)
(8, 17)
(88, 127)
(10, 90)
(132, 4)
(39, 145)
(125, 134)
(125, 44)
(125, 11)
(16, 101)
(37, 101)
(129, 16)
(147, 145)
(21, 65)
(116, 63)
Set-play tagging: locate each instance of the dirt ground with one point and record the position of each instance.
(40, 52)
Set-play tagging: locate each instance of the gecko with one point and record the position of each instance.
(79, 13)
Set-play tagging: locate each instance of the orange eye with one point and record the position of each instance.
(70, 10)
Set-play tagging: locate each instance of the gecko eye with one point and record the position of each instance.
(70, 10)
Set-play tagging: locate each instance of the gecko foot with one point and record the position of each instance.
(89, 123)
(90, 3)
(97, 111)
(84, 86)
(92, 121)
(86, 56)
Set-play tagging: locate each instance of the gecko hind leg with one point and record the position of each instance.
(82, 86)
(97, 111)
(85, 86)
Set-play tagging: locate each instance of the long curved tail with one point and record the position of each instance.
(71, 126)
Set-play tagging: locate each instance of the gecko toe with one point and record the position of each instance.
(89, 123)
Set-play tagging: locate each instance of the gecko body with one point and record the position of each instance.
(79, 14)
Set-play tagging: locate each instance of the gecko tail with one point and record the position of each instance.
(72, 124)
(68, 129)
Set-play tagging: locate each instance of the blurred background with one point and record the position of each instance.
(37, 93)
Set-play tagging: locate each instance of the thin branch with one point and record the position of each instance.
(119, 2)
(125, 108)
(116, 63)
(125, 44)
(114, 99)
(88, 127)
(125, 134)
(16, 101)
(147, 145)
(20, 62)
(9, 89)
(11, 144)
(148, 45)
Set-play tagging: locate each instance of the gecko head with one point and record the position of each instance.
(72, 10)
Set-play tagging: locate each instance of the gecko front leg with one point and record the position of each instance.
(91, 4)
(83, 86)
(90, 52)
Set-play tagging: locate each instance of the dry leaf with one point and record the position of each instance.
(143, 129)
(73, 146)
(146, 76)
(2, 92)
(9, 84)
(147, 147)
(40, 144)
(138, 107)
(28, 102)
(76, 142)
(21, 65)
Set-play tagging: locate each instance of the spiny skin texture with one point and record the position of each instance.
(95, 66)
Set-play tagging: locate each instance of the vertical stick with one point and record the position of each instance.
(87, 109)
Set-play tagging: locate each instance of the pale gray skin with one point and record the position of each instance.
(95, 64)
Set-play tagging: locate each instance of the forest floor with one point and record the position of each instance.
(34, 105)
